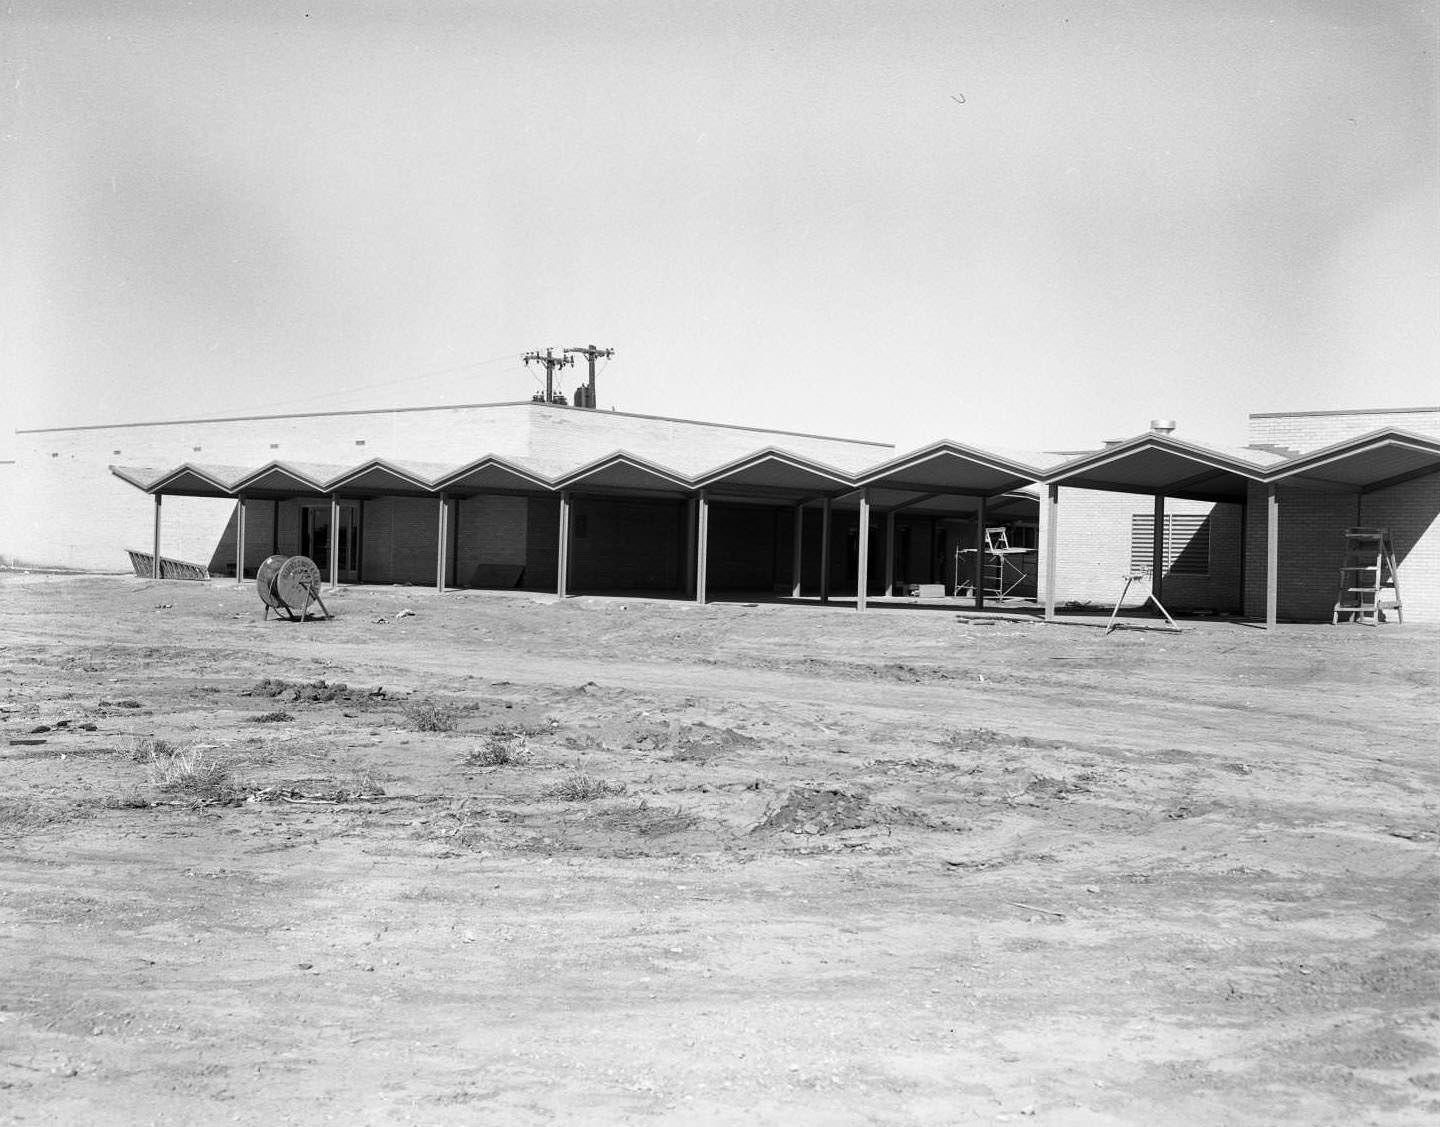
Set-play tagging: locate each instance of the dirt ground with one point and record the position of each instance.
(604, 861)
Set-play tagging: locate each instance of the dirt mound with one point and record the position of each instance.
(317, 691)
(823, 810)
(701, 742)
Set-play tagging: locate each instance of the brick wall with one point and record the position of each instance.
(743, 548)
(1312, 524)
(542, 543)
(1310, 430)
(1411, 511)
(626, 545)
(490, 541)
(1093, 552)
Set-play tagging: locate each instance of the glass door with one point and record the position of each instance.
(315, 534)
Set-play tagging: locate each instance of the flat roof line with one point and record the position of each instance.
(1356, 411)
(451, 407)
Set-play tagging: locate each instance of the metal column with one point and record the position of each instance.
(1157, 550)
(702, 547)
(334, 540)
(1052, 515)
(240, 540)
(562, 569)
(442, 542)
(1272, 555)
(862, 563)
(155, 560)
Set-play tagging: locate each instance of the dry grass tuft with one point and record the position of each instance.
(503, 747)
(192, 774)
(580, 787)
(429, 716)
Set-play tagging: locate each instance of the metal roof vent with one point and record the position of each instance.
(1163, 426)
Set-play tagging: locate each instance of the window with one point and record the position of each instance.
(1186, 550)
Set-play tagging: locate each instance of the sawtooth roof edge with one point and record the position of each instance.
(615, 457)
(1385, 436)
(992, 459)
(774, 454)
(1228, 461)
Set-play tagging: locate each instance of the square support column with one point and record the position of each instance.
(702, 547)
(890, 552)
(240, 540)
(562, 567)
(155, 559)
(825, 551)
(442, 542)
(1272, 555)
(796, 551)
(1052, 532)
(1157, 551)
(334, 541)
(981, 516)
(862, 562)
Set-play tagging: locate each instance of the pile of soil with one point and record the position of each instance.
(314, 691)
(820, 810)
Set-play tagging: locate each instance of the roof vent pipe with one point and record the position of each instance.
(1162, 426)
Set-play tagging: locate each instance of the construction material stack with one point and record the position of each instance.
(1369, 583)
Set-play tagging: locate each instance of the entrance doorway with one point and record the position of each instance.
(315, 533)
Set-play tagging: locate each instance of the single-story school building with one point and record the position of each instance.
(548, 497)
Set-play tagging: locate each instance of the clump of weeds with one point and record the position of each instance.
(580, 787)
(148, 749)
(430, 716)
(279, 716)
(502, 747)
(192, 775)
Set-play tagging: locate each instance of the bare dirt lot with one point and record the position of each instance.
(517, 861)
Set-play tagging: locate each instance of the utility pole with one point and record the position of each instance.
(591, 353)
(551, 362)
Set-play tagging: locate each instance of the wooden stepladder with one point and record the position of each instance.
(1369, 583)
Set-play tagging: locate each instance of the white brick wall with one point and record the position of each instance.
(1310, 430)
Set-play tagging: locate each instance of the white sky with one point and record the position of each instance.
(1030, 224)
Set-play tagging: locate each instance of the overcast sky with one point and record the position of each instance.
(1032, 224)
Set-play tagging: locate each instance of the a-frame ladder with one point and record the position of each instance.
(1368, 577)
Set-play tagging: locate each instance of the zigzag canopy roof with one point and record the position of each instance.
(927, 478)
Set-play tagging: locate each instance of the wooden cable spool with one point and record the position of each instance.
(289, 584)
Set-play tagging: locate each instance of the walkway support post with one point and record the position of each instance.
(702, 548)
(240, 540)
(562, 567)
(1272, 555)
(797, 549)
(981, 517)
(334, 541)
(442, 542)
(155, 559)
(862, 563)
(1157, 551)
(1052, 518)
(825, 512)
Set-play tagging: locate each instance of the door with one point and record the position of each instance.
(315, 534)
